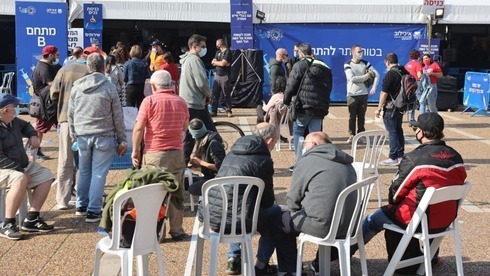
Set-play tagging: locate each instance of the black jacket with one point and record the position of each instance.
(249, 156)
(12, 153)
(210, 149)
(275, 70)
(314, 92)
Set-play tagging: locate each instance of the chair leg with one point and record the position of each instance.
(126, 264)
(457, 248)
(299, 257)
(362, 254)
(344, 259)
(378, 187)
(427, 258)
(397, 256)
(161, 266)
(213, 259)
(324, 259)
(98, 256)
(142, 265)
(199, 253)
(250, 256)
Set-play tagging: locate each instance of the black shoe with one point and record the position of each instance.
(315, 266)
(213, 114)
(180, 237)
(93, 217)
(37, 225)
(233, 266)
(81, 211)
(10, 231)
(41, 156)
(267, 270)
(291, 169)
(284, 139)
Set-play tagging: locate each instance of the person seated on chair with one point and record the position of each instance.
(278, 96)
(250, 156)
(209, 153)
(432, 164)
(319, 177)
(18, 174)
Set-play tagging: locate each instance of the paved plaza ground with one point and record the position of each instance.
(69, 249)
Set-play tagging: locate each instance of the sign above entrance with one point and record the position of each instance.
(430, 6)
(241, 23)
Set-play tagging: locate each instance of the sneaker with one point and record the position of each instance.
(291, 169)
(229, 114)
(267, 270)
(41, 156)
(390, 162)
(37, 225)
(213, 114)
(315, 266)
(349, 140)
(233, 266)
(62, 207)
(81, 211)
(10, 231)
(93, 217)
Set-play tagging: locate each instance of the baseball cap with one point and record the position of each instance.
(156, 42)
(429, 122)
(49, 50)
(161, 78)
(6, 99)
(90, 50)
(95, 42)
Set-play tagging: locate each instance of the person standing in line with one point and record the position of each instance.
(222, 87)
(114, 75)
(415, 69)
(135, 73)
(276, 68)
(194, 87)
(357, 71)
(170, 66)
(292, 60)
(433, 71)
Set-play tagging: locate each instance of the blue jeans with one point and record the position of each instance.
(266, 241)
(392, 120)
(95, 158)
(300, 125)
(431, 102)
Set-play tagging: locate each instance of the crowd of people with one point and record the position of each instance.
(173, 122)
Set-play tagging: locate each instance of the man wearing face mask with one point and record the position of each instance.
(292, 60)
(432, 164)
(17, 173)
(357, 71)
(194, 87)
(318, 178)
(222, 86)
(42, 76)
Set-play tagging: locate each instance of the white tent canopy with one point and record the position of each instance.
(287, 11)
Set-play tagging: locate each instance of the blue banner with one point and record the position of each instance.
(37, 24)
(92, 23)
(476, 90)
(332, 42)
(241, 24)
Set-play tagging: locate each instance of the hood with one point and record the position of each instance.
(319, 68)
(250, 145)
(273, 61)
(185, 56)
(402, 69)
(91, 82)
(330, 152)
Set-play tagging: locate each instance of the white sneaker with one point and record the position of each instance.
(390, 162)
(349, 140)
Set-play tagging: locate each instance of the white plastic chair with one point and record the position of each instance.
(431, 196)
(147, 201)
(7, 83)
(353, 235)
(238, 212)
(188, 175)
(367, 165)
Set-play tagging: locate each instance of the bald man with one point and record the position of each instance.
(318, 179)
(276, 68)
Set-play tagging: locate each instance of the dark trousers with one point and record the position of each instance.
(357, 110)
(392, 120)
(260, 114)
(135, 94)
(221, 86)
(202, 114)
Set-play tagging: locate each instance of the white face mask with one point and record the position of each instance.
(303, 151)
(56, 61)
(359, 55)
(153, 50)
(295, 54)
(203, 52)
(17, 111)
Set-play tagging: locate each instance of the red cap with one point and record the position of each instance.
(90, 50)
(50, 50)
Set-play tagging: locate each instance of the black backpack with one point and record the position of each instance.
(49, 108)
(407, 95)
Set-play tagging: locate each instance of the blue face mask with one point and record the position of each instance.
(203, 52)
(17, 111)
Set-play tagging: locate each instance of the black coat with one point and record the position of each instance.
(314, 92)
(12, 153)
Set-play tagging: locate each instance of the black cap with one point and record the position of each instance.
(429, 122)
(157, 42)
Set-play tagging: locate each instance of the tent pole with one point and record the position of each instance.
(429, 34)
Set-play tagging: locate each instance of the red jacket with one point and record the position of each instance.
(432, 164)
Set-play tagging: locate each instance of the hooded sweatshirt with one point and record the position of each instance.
(318, 178)
(194, 83)
(95, 108)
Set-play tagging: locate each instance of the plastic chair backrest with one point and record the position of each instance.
(147, 201)
(237, 202)
(362, 190)
(7, 83)
(433, 196)
(375, 140)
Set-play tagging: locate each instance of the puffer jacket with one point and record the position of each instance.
(249, 156)
(432, 164)
(12, 153)
(314, 92)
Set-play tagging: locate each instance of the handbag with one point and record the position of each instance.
(296, 101)
(35, 107)
(369, 82)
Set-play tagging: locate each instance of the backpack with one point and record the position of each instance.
(49, 108)
(406, 96)
(35, 106)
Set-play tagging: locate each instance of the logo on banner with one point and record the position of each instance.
(406, 35)
(30, 10)
(274, 34)
(54, 11)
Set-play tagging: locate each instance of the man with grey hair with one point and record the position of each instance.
(276, 66)
(162, 118)
(250, 156)
(96, 123)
